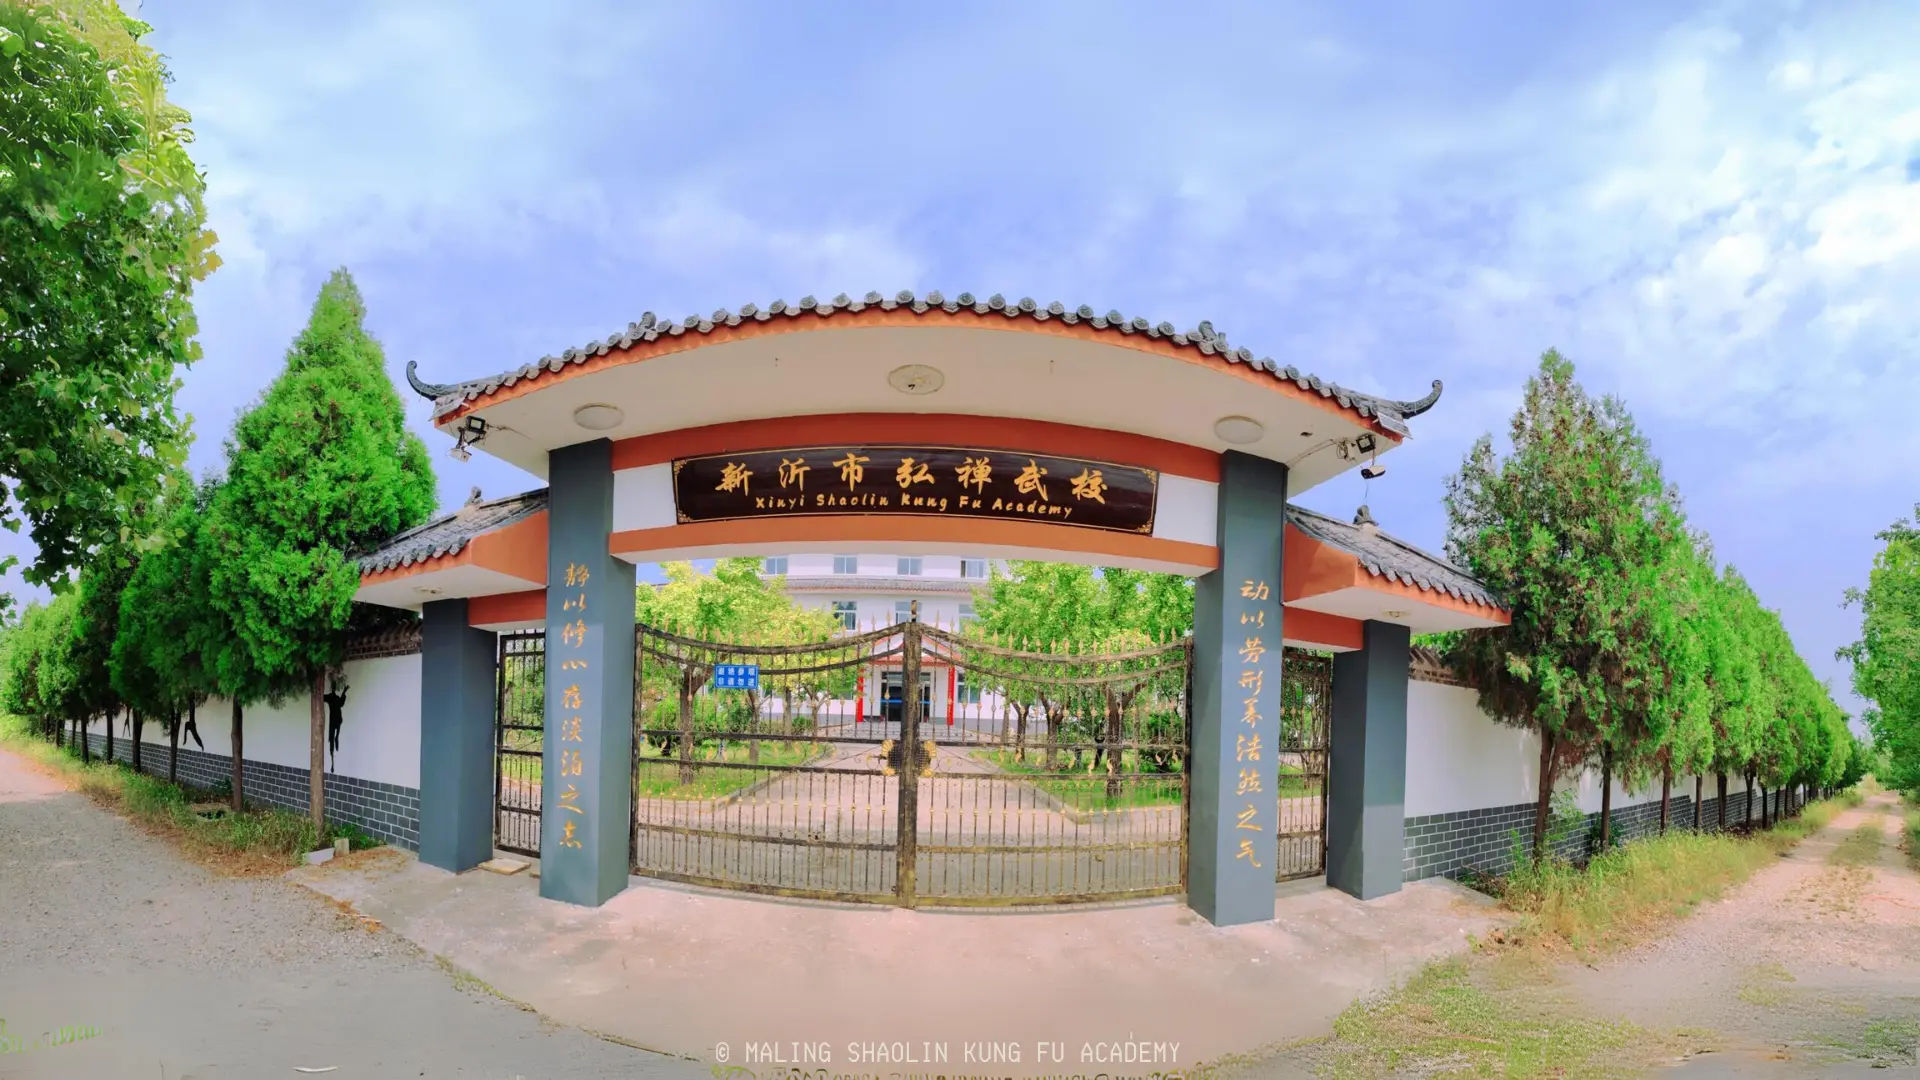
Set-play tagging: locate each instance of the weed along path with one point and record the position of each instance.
(157, 967)
(1811, 967)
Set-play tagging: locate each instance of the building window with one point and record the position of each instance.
(965, 693)
(973, 568)
(848, 613)
(966, 614)
(846, 564)
(774, 565)
(910, 566)
(902, 610)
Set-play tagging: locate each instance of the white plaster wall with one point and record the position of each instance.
(1188, 510)
(1458, 758)
(379, 738)
(643, 498)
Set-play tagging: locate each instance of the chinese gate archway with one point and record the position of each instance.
(918, 424)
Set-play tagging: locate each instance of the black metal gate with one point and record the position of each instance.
(520, 709)
(1012, 777)
(1306, 704)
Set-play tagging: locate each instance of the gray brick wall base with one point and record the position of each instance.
(388, 811)
(1481, 841)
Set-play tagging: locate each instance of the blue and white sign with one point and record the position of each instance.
(736, 676)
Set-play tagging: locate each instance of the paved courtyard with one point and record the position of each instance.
(186, 974)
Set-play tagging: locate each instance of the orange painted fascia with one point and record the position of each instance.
(669, 344)
(1312, 568)
(914, 429)
(885, 529)
(519, 550)
(463, 557)
(1309, 567)
(1432, 598)
(513, 607)
(1320, 628)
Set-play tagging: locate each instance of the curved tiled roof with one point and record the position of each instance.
(1394, 559)
(448, 535)
(1390, 414)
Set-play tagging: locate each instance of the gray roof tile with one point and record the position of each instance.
(1389, 413)
(1394, 559)
(448, 535)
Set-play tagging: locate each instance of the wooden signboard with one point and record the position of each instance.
(929, 481)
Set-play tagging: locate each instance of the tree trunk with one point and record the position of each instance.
(1722, 801)
(1020, 735)
(139, 729)
(59, 733)
(1606, 799)
(1543, 803)
(109, 756)
(86, 741)
(317, 754)
(1749, 801)
(173, 750)
(1666, 795)
(1699, 783)
(1115, 719)
(239, 796)
(686, 727)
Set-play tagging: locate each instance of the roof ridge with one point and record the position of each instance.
(1387, 536)
(650, 327)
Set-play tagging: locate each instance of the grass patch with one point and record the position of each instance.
(258, 840)
(1446, 1022)
(1885, 1042)
(1087, 789)
(1766, 985)
(720, 769)
(1860, 848)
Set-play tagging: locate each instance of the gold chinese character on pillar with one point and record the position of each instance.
(1254, 590)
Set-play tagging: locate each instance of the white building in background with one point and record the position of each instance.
(871, 592)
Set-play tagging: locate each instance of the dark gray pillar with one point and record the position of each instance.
(587, 786)
(1232, 843)
(1367, 771)
(456, 738)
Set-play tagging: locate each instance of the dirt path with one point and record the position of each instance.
(1811, 968)
(187, 974)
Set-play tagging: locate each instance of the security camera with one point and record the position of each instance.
(1373, 472)
(460, 452)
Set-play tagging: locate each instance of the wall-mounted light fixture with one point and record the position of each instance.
(472, 430)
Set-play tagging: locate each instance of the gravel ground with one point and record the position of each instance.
(1810, 968)
(185, 974)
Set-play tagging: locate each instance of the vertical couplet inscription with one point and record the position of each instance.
(1246, 744)
(926, 481)
(573, 641)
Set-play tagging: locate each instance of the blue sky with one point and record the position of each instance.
(1713, 209)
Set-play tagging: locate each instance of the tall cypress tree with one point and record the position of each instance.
(1568, 528)
(321, 467)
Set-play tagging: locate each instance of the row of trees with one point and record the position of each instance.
(241, 587)
(1630, 649)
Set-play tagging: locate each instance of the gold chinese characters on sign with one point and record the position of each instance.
(917, 480)
(572, 766)
(1246, 744)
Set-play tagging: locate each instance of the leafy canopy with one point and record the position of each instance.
(1886, 659)
(101, 222)
(321, 468)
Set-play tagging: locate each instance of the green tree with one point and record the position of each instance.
(39, 679)
(156, 668)
(1567, 528)
(321, 468)
(1886, 659)
(102, 224)
(96, 621)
